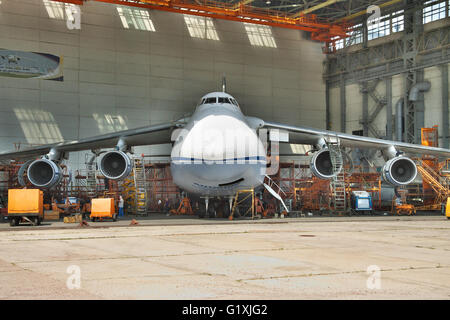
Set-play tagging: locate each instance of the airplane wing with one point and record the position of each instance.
(155, 134)
(305, 135)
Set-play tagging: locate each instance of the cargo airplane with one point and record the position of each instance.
(218, 151)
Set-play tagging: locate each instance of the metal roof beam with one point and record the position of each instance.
(315, 8)
(243, 3)
(363, 12)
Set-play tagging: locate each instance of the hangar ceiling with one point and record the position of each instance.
(325, 20)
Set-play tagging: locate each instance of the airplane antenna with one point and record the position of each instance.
(224, 84)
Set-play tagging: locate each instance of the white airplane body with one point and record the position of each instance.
(219, 153)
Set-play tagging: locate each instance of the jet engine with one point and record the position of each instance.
(399, 171)
(321, 165)
(115, 165)
(44, 173)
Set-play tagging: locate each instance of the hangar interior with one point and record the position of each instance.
(321, 64)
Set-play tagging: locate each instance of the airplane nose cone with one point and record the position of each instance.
(220, 149)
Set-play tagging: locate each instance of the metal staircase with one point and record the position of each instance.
(275, 190)
(338, 181)
(437, 183)
(140, 185)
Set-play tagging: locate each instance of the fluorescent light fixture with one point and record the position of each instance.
(201, 27)
(138, 19)
(260, 35)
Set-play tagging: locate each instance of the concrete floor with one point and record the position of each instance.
(269, 259)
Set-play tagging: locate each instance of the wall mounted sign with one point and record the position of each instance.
(34, 65)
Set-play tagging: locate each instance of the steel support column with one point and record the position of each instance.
(389, 117)
(343, 106)
(365, 108)
(445, 121)
(414, 116)
(327, 106)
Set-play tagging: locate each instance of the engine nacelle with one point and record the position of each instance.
(399, 171)
(115, 165)
(321, 165)
(44, 173)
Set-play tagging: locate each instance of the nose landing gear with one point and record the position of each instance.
(215, 208)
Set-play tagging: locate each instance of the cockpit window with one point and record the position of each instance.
(210, 100)
(223, 100)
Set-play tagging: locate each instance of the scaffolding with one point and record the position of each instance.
(160, 186)
(338, 185)
(243, 204)
(140, 187)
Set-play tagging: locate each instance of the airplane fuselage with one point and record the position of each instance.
(218, 152)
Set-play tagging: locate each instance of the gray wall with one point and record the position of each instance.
(140, 77)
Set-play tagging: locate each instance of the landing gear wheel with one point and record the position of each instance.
(201, 211)
(226, 210)
(114, 218)
(38, 221)
(14, 222)
(237, 214)
(212, 209)
(92, 219)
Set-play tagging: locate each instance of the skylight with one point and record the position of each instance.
(201, 27)
(138, 19)
(54, 9)
(260, 35)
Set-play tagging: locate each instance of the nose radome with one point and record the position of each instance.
(218, 138)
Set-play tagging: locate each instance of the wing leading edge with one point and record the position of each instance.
(155, 134)
(305, 135)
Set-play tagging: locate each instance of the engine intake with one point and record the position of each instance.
(399, 171)
(115, 165)
(321, 165)
(44, 173)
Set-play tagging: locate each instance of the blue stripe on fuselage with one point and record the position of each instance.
(197, 160)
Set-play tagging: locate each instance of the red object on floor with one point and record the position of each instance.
(134, 222)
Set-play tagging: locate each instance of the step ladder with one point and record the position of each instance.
(338, 182)
(91, 178)
(140, 187)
